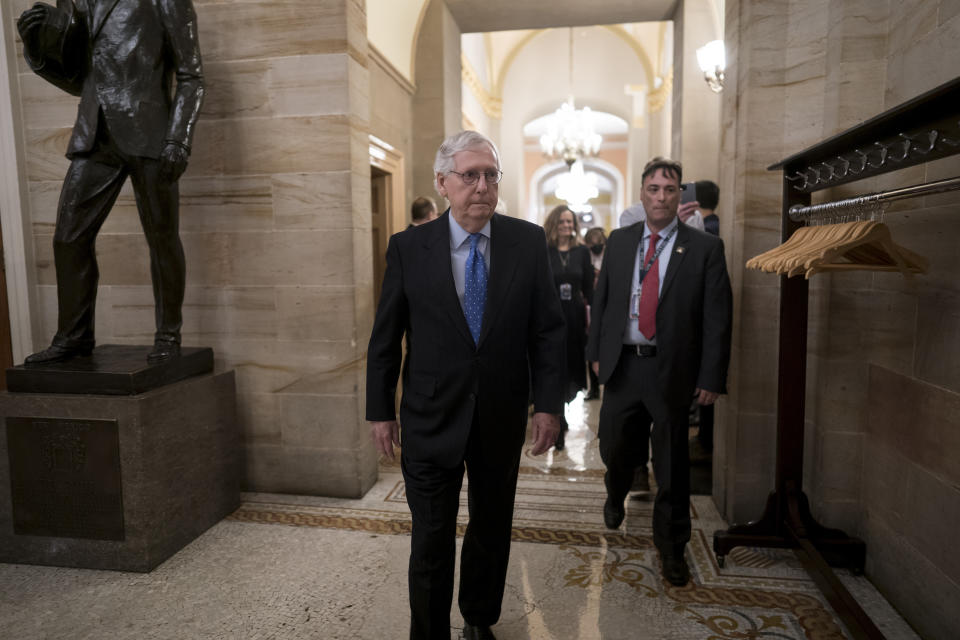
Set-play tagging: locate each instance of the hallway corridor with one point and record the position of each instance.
(293, 567)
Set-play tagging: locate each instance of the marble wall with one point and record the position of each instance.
(275, 223)
(883, 388)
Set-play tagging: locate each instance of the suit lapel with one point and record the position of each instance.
(503, 264)
(676, 257)
(624, 267)
(440, 269)
(101, 9)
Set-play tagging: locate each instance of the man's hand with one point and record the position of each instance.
(705, 397)
(546, 428)
(386, 435)
(687, 209)
(595, 365)
(32, 19)
(173, 162)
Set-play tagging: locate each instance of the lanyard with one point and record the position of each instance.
(656, 254)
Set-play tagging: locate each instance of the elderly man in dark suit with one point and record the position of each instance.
(660, 332)
(473, 293)
(121, 57)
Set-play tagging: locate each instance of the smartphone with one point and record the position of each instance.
(688, 192)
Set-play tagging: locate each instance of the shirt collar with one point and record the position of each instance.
(663, 232)
(459, 235)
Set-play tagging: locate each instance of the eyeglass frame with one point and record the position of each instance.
(485, 174)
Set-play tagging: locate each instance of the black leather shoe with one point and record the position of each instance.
(561, 441)
(675, 568)
(472, 632)
(163, 350)
(57, 353)
(613, 514)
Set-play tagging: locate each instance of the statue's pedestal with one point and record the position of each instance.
(118, 482)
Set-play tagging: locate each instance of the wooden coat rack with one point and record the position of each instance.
(920, 130)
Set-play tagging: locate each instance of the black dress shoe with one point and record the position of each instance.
(163, 350)
(57, 353)
(561, 441)
(675, 568)
(478, 632)
(613, 514)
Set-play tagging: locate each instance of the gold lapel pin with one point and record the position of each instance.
(680, 249)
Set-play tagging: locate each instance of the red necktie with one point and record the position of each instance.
(649, 292)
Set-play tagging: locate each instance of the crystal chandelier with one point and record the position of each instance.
(577, 188)
(570, 135)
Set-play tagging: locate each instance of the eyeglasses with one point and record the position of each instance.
(492, 176)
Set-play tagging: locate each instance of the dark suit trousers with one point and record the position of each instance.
(433, 494)
(90, 190)
(631, 401)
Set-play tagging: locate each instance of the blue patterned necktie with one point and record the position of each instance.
(474, 288)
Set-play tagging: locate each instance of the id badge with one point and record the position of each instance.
(566, 291)
(635, 305)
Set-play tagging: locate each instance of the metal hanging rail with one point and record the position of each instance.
(799, 212)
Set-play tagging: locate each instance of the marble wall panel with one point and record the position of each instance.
(286, 145)
(226, 203)
(910, 71)
(268, 366)
(938, 341)
(839, 463)
(236, 89)
(922, 593)
(259, 417)
(858, 30)
(316, 313)
(915, 419)
(932, 518)
(276, 258)
(328, 422)
(841, 393)
(313, 471)
(310, 85)
(271, 28)
(45, 149)
(885, 474)
(877, 326)
(242, 313)
(312, 200)
(48, 106)
(756, 437)
(911, 21)
(949, 9)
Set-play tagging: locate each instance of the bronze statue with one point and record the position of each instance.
(121, 57)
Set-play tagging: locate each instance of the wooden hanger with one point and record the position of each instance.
(857, 245)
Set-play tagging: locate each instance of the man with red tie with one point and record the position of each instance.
(660, 332)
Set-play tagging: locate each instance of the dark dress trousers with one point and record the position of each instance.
(693, 329)
(121, 57)
(463, 404)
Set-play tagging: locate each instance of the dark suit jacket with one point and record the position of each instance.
(445, 375)
(120, 56)
(694, 312)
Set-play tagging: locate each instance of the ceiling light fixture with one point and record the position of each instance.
(712, 59)
(570, 135)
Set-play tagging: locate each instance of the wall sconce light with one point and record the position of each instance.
(713, 61)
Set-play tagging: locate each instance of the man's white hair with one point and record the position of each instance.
(456, 143)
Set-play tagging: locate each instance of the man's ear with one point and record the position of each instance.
(441, 184)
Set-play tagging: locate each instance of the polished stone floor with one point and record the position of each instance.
(294, 567)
